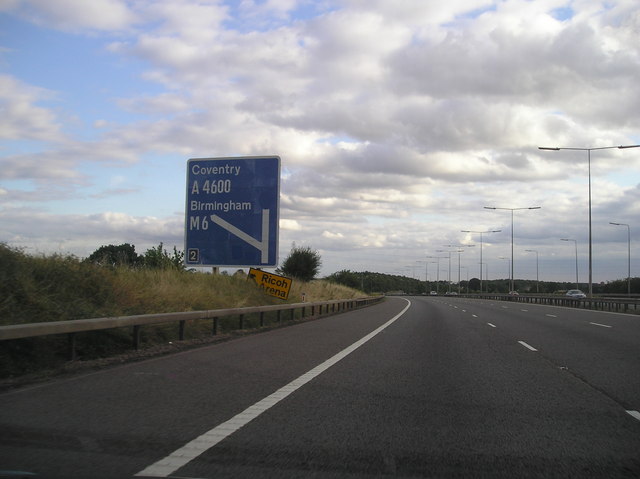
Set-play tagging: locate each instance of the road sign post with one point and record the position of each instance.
(232, 211)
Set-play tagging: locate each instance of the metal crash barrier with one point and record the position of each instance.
(72, 327)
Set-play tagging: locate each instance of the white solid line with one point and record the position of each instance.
(602, 325)
(492, 325)
(634, 414)
(180, 457)
(527, 346)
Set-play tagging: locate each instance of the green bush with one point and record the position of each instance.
(303, 263)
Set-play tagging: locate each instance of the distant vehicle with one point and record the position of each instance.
(451, 293)
(433, 293)
(514, 293)
(576, 293)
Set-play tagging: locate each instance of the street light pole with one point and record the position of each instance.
(449, 276)
(511, 285)
(509, 270)
(481, 233)
(486, 272)
(467, 268)
(537, 270)
(628, 256)
(426, 286)
(427, 273)
(576, 244)
(589, 150)
(459, 251)
(438, 271)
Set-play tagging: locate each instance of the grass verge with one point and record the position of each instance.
(60, 288)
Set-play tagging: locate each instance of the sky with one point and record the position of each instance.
(397, 122)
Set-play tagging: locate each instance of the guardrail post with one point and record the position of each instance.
(71, 346)
(214, 330)
(181, 330)
(292, 314)
(136, 337)
(241, 322)
(303, 311)
(279, 318)
(261, 319)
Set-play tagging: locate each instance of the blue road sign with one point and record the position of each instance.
(232, 211)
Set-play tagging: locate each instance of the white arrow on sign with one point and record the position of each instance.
(262, 246)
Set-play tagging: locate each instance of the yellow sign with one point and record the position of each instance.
(272, 284)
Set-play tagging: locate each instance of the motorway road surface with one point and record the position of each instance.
(412, 387)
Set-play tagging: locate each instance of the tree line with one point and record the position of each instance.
(302, 263)
(125, 255)
(371, 282)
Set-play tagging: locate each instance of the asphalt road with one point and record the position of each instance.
(414, 387)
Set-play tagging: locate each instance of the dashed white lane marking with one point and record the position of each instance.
(492, 325)
(168, 465)
(474, 315)
(602, 325)
(550, 315)
(524, 310)
(634, 414)
(527, 346)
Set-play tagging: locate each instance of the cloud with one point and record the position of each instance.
(82, 234)
(22, 118)
(76, 15)
(289, 224)
(396, 121)
(66, 163)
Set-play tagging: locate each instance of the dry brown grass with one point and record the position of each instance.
(321, 290)
(59, 288)
(154, 291)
